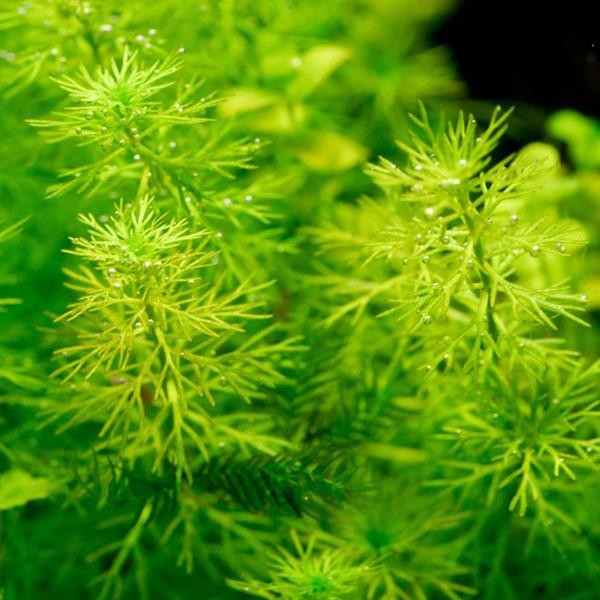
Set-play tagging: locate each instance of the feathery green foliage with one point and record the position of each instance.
(276, 369)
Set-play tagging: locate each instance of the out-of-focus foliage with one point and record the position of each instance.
(243, 355)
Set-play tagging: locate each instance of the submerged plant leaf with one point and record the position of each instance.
(18, 487)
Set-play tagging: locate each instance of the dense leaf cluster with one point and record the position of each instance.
(308, 346)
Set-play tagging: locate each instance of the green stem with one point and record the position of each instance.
(474, 224)
(129, 543)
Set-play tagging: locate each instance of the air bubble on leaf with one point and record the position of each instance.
(514, 219)
(140, 38)
(219, 235)
(54, 51)
(181, 50)
(223, 381)
(137, 157)
(489, 221)
(112, 271)
(248, 197)
(417, 187)
(451, 181)
(117, 284)
(462, 162)
(583, 298)
(106, 28)
(147, 264)
(187, 199)
(555, 401)
(561, 248)
(427, 319)
(445, 240)
(138, 325)
(535, 250)
(227, 202)
(429, 212)
(152, 31)
(172, 144)
(8, 56)
(405, 261)
(103, 218)
(417, 167)
(296, 62)
(425, 260)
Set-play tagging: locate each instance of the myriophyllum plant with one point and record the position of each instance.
(157, 342)
(390, 414)
(458, 260)
(142, 129)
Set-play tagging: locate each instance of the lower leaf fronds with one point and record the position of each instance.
(294, 485)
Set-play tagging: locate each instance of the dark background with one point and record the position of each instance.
(540, 53)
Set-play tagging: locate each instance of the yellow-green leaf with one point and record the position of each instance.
(315, 66)
(330, 152)
(246, 100)
(17, 487)
(280, 119)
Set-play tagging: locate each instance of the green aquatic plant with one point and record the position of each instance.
(154, 340)
(245, 361)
